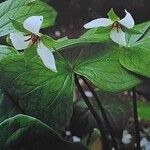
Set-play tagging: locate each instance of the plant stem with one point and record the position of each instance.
(102, 109)
(136, 121)
(95, 115)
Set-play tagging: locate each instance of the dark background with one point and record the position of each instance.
(73, 14)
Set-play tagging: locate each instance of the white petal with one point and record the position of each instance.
(127, 21)
(33, 24)
(19, 41)
(118, 36)
(46, 56)
(101, 22)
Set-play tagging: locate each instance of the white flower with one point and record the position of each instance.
(116, 33)
(22, 41)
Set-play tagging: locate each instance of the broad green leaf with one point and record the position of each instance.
(85, 39)
(30, 52)
(38, 91)
(111, 14)
(137, 58)
(19, 10)
(104, 30)
(89, 32)
(48, 41)
(132, 31)
(18, 26)
(8, 107)
(6, 50)
(143, 110)
(146, 35)
(63, 39)
(133, 38)
(27, 133)
(102, 67)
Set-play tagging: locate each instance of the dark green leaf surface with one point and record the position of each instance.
(27, 133)
(6, 50)
(48, 41)
(7, 106)
(103, 68)
(38, 91)
(146, 35)
(20, 10)
(137, 58)
(133, 38)
(18, 26)
(30, 52)
(88, 37)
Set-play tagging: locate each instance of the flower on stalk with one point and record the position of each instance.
(22, 41)
(117, 25)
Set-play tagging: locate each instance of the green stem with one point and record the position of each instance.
(95, 115)
(102, 109)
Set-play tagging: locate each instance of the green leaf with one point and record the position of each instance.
(48, 41)
(63, 39)
(103, 30)
(87, 38)
(18, 26)
(27, 133)
(6, 103)
(132, 31)
(137, 58)
(112, 15)
(5, 51)
(38, 91)
(19, 10)
(143, 110)
(30, 53)
(146, 35)
(101, 66)
(133, 38)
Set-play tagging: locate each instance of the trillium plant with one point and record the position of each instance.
(46, 83)
(116, 33)
(23, 41)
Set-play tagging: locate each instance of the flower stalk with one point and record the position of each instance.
(102, 109)
(94, 113)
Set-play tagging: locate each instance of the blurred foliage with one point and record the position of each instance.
(118, 112)
(144, 110)
(29, 133)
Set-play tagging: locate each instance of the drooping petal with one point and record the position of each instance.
(19, 41)
(127, 21)
(118, 36)
(46, 56)
(101, 22)
(33, 24)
